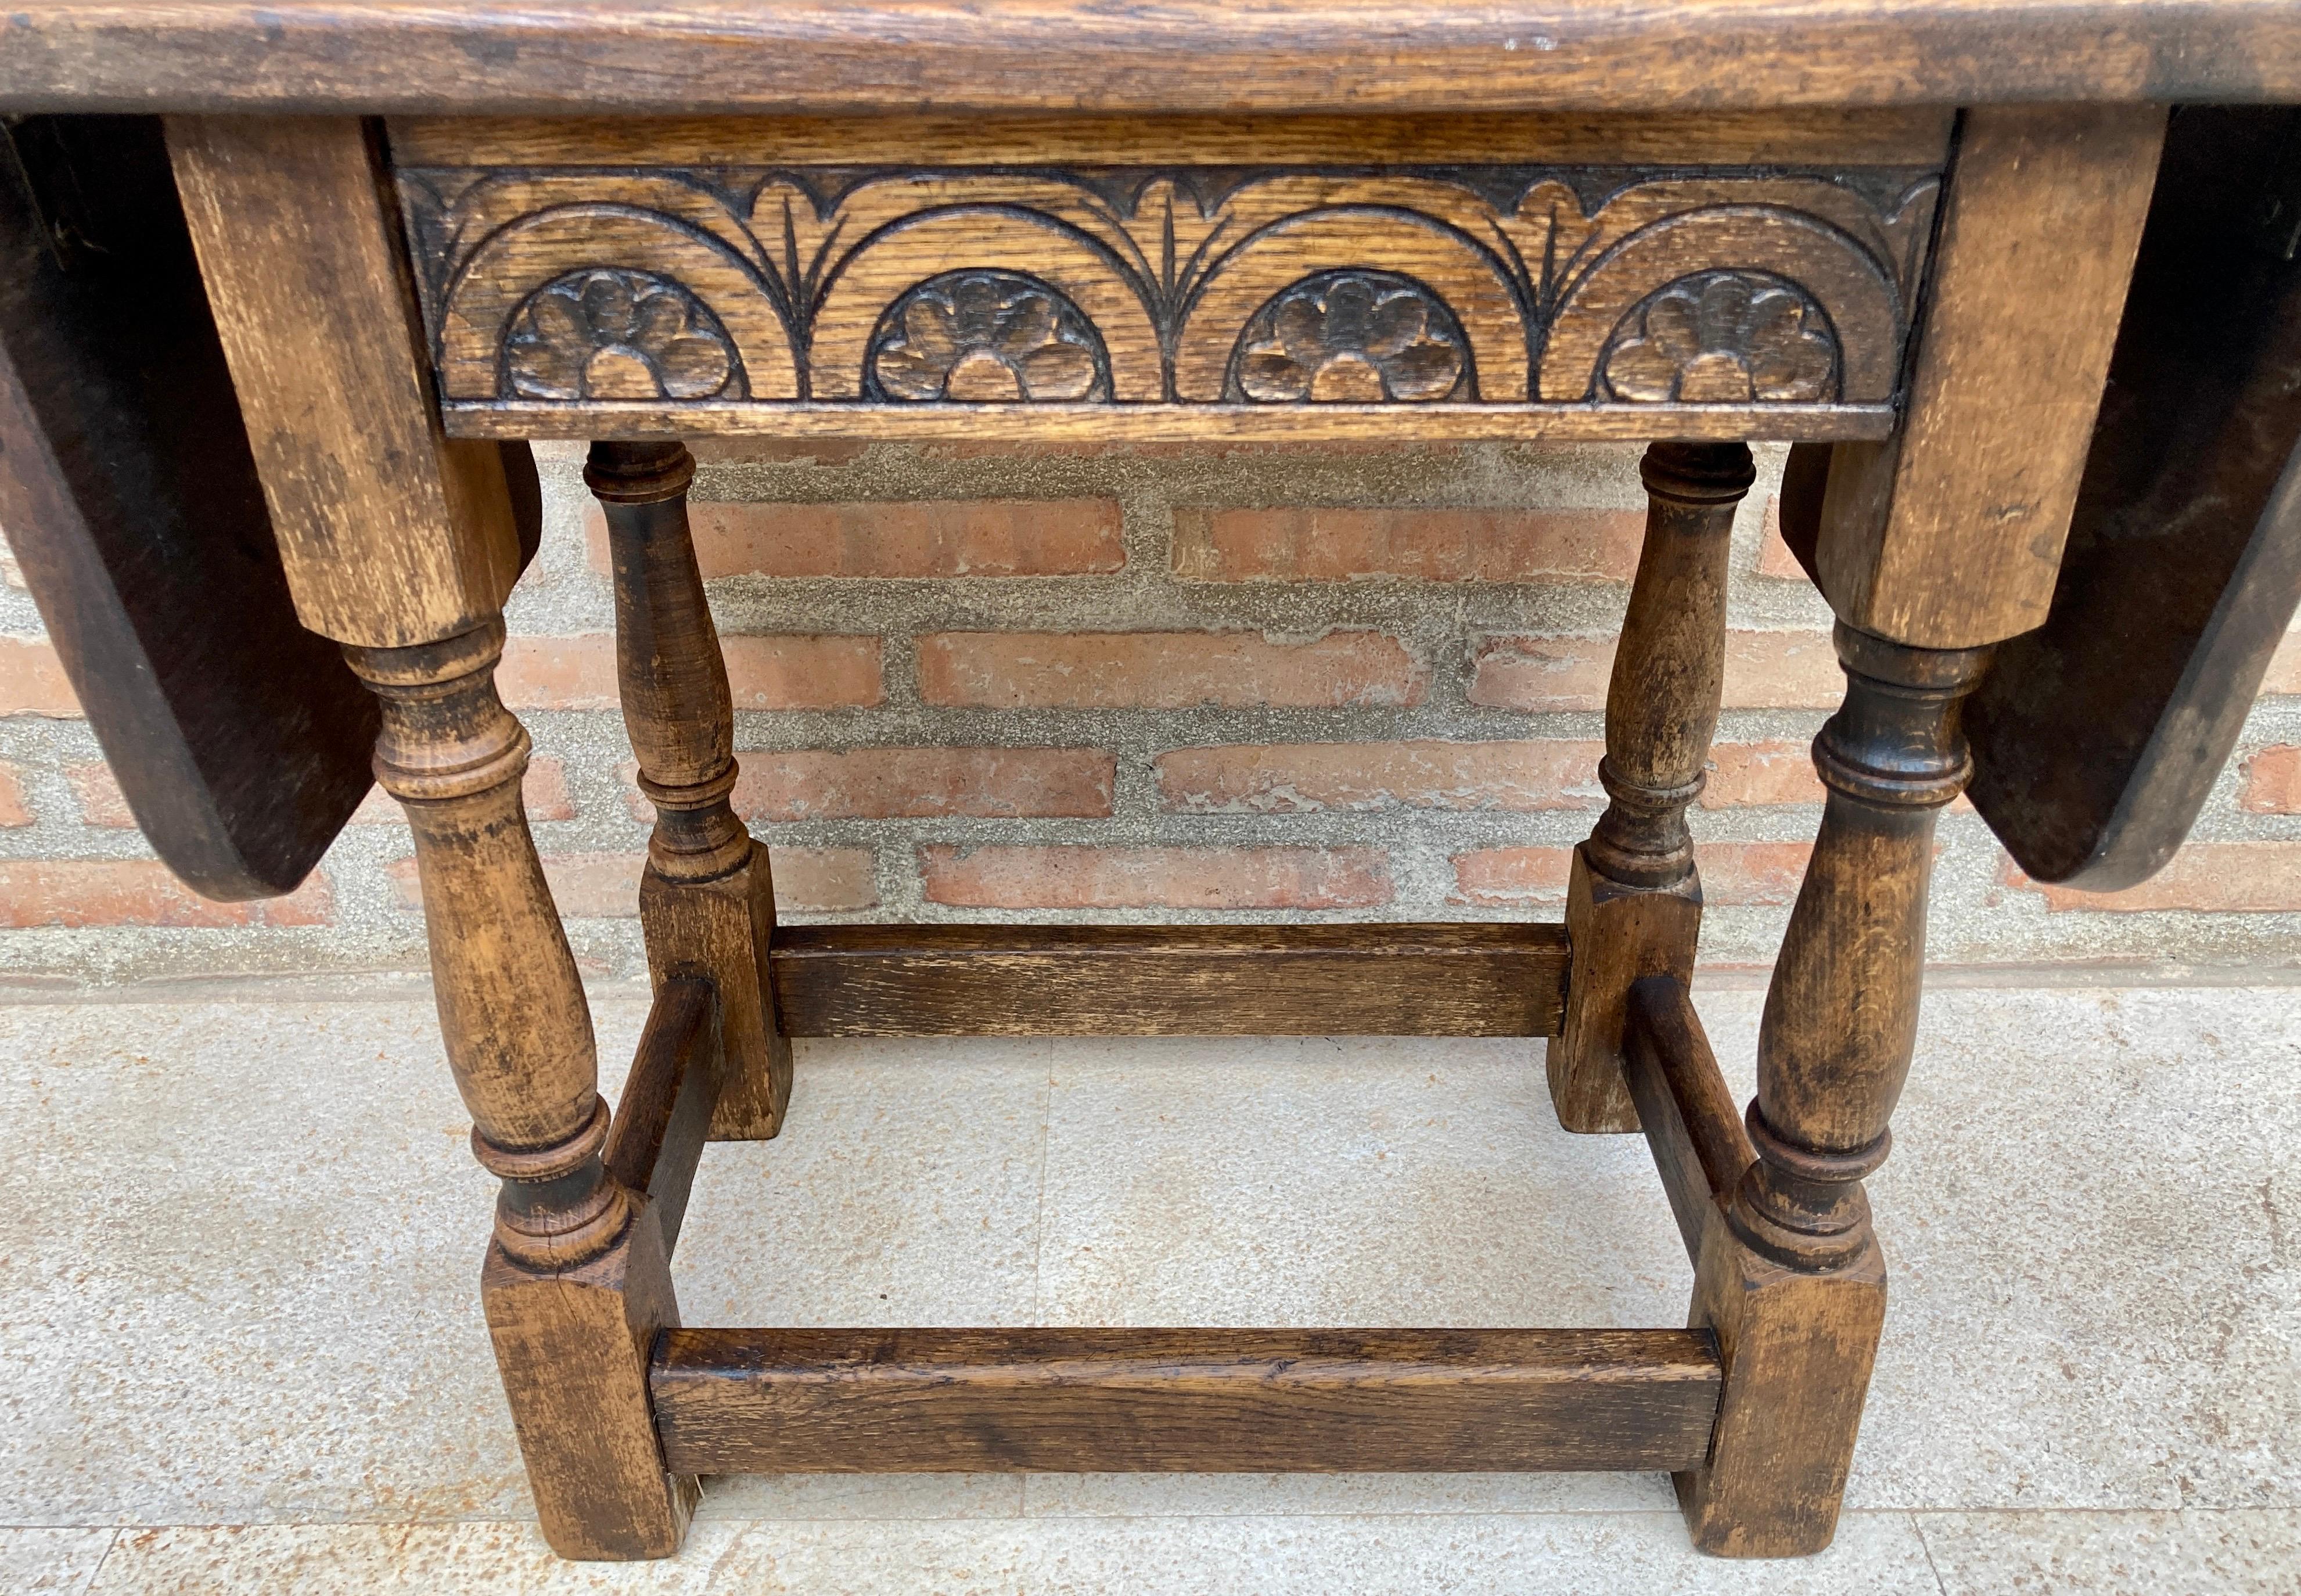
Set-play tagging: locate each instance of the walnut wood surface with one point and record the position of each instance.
(239, 740)
(1170, 981)
(1699, 1145)
(577, 277)
(1633, 900)
(662, 1116)
(1214, 1401)
(1289, 55)
(1949, 534)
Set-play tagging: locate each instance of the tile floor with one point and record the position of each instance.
(241, 1347)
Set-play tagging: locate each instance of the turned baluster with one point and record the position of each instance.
(1793, 1283)
(1634, 898)
(578, 1281)
(511, 1008)
(707, 900)
(1841, 1016)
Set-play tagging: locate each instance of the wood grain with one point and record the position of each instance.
(950, 279)
(1212, 1401)
(1949, 534)
(1170, 981)
(240, 740)
(1696, 1136)
(706, 903)
(1634, 898)
(2099, 738)
(572, 1345)
(392, 534)
(1838, 136)
(663, 1116)
(1166, 423)
(583, 56)
(1793, 1282)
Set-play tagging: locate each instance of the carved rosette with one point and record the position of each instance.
(611, 333)
(1352, 337)
(986, 338)
(1724, 338)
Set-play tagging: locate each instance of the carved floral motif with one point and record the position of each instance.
(1512, 285)
(1724, 338)
(607, 333)
(1361, 337)
(985, 337)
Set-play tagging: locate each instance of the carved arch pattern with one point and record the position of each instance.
(1459, 284)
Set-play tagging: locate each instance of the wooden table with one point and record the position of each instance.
(1899, 231)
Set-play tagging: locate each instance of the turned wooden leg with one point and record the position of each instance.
(707, 901)
(1792, 1283)
(577, 1281)
(1633, 900)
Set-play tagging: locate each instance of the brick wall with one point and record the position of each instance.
(1131, 684)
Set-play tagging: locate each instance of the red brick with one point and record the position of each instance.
(606, 886)
(13, 812)
(1774, 556)
(824, 671)
(1294, 778)
(1764, 670)
(901, 538)
(1750, 874)
(2213, 878)
(1502, 876)
(922, 782)
(2284, 675)
(94, 893)
(775, 672)
(1308, 543)
(1780, 770)
(1167, 670)
(32, 679)
(102, 803)
(2272, 783)
(1173, 878)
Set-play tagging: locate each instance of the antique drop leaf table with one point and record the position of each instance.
(286, 286)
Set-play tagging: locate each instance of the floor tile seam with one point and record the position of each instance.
(111, 1545)
(2065, 1510)
(1926, 1549)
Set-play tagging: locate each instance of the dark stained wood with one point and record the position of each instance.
(1212, 1401)
(1831, 136)
(2098, 738)
(1948, 535)
(239, 740)
(1170, 981)
(1634, 898)
(1793, 1282)
(1206, 55)
(616, 276)
(707, 901)
(1164, 423)
(1689, 1118)
(664, 1116)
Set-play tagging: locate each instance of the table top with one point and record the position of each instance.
(443, 56)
